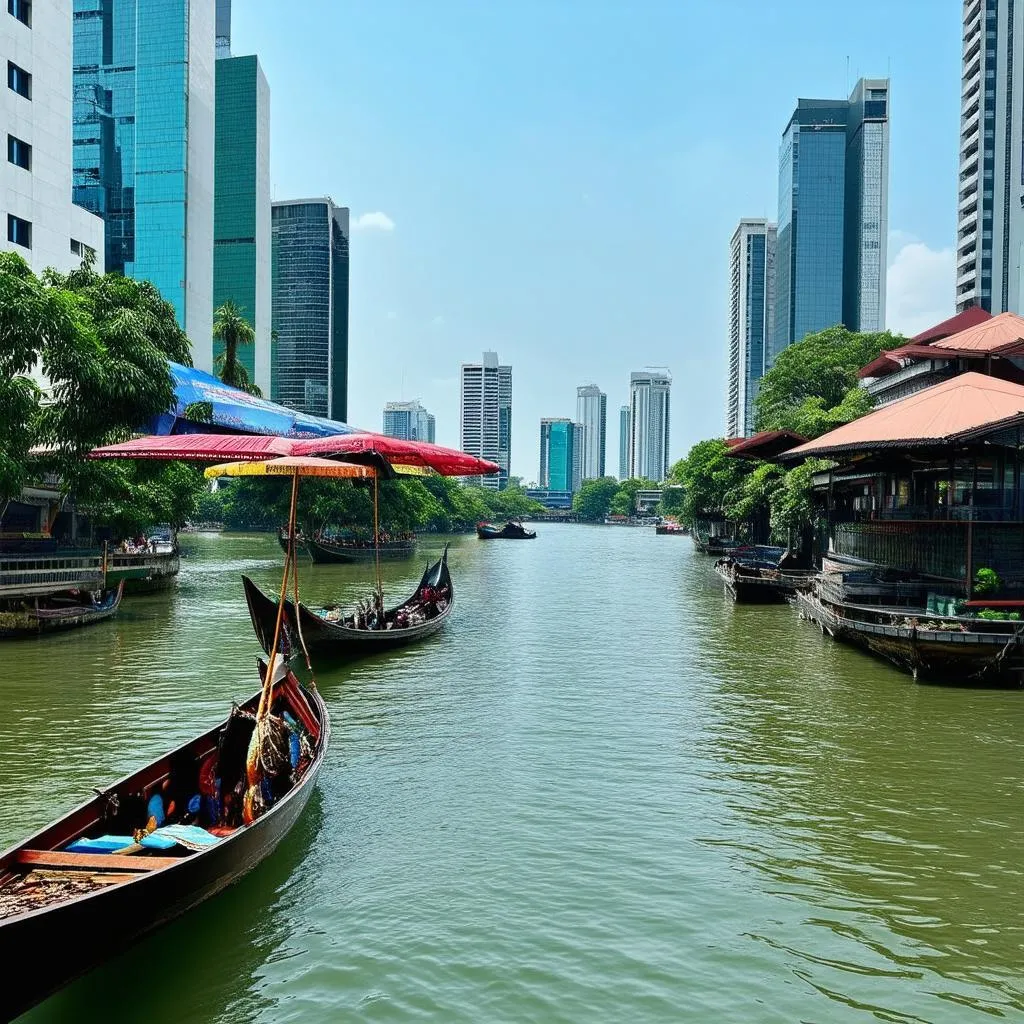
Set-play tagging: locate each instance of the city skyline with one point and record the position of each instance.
(485, 415)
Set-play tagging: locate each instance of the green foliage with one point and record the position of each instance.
(994, 614)
(594, 498)
(232, 330)
(103, 342)
(812, 387)
(672, 500)
(755, 492)
(792, 507)
(711, 480)
(624, 500)
(986, 581)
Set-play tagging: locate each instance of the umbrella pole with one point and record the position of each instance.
(376, 541)
(298, 616)
(268, 683)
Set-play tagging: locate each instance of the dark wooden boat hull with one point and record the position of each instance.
(971, 659)
(488, 532)
(752, 586)
(36, 625)
(44, 950)
(334, 640)
(336, 554)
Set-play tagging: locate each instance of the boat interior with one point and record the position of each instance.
(180, 805)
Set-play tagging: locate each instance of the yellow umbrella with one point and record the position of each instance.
(292, 465)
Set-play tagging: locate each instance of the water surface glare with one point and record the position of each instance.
(603, 794)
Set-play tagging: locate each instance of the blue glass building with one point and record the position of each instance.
(833, 215)
(560, 455)
(143, 145)
(309, 350)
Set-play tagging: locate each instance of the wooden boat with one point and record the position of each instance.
(54, 612)
(713, 545)
(945, 648)
(300, 542)
(324, 550)
(670, 529)
(755, 583)
(329, 632)
(510, 531)
(63, 912)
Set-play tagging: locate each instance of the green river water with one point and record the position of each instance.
(604, 794)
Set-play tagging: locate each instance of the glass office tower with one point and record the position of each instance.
(560, 454)
(241, 223)
(309, 370)
(143, 146)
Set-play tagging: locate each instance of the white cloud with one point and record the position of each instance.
(375, 221)
(919, 287)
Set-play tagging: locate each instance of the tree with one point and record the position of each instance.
(710, 480)
(623, 502)
(593, 500)
(232, 330)
(812, 387)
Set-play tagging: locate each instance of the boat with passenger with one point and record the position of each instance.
(512, 530)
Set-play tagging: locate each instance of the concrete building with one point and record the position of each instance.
(241, 221)
(833, 215)
(144, 102)
(485, 415)
(309, 356)
(41, 222)
(751, 319)
(408, 421)
(592, 415)
(649, 392)
(990, 191)
(624, 445)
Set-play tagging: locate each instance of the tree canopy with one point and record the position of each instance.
(812, 387)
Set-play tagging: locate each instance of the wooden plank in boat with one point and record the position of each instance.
(93, 861)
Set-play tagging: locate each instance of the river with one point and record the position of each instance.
(604, 794)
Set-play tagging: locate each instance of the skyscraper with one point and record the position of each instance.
(241, 222)
(592, 414)
(408, 421)
(649, 392)
(485, 415)
(144, 146)
(42, 224)
(309, 360)
(751, 316)
(990, 200)
(833, 215)
(559, 454)
(624, 443)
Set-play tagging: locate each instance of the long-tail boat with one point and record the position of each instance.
(31, 616)
(94, 881)
(510, 531)
(333, 633)
(323, 549)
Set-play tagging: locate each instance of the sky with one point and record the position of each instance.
(559, 180)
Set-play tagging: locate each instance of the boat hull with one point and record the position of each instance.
(44, 950)
(24, 625)
(948, 656)
(488, 532)
(338, 554)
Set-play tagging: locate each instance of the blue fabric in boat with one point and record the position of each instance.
(110, 844)
(192, 837)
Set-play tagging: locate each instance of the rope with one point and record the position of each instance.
(298, 621)
(376, 542)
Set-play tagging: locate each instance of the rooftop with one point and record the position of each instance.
(964, 406)
(765, 445)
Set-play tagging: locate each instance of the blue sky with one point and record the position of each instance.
(558, 180)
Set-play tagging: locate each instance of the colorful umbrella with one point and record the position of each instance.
(294, 465)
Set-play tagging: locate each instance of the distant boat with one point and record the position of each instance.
(328, 631)
(671, 528)
(82, 889)
(51, 613)
(510, 531)
(339, 550)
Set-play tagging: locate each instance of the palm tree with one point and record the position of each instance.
(232, 330)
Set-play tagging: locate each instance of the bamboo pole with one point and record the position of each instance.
(298, 614)
(268, 684)
(376, 543)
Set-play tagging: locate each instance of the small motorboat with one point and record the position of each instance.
(336, 633)
(510, 531)
(90, 884)
(26, 617)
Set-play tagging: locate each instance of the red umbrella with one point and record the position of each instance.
(249, 447)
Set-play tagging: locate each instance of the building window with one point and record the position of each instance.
(22, 10)
(81, 249)
(19, 152)
(19, 80)
(19, 231)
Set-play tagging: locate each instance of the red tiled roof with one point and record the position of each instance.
(889, 362)
(764, 445)
(998, 334)
(940, 414)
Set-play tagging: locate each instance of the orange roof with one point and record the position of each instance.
(941, 414)
(997, 334)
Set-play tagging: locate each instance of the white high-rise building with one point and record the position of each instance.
(485, 415)
(408, 421)
(751, 319)
(592, 414)
(42, 223)
(990, 193)
(624, 443)
(649, 392)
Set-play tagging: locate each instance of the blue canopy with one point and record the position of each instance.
(234, 409)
